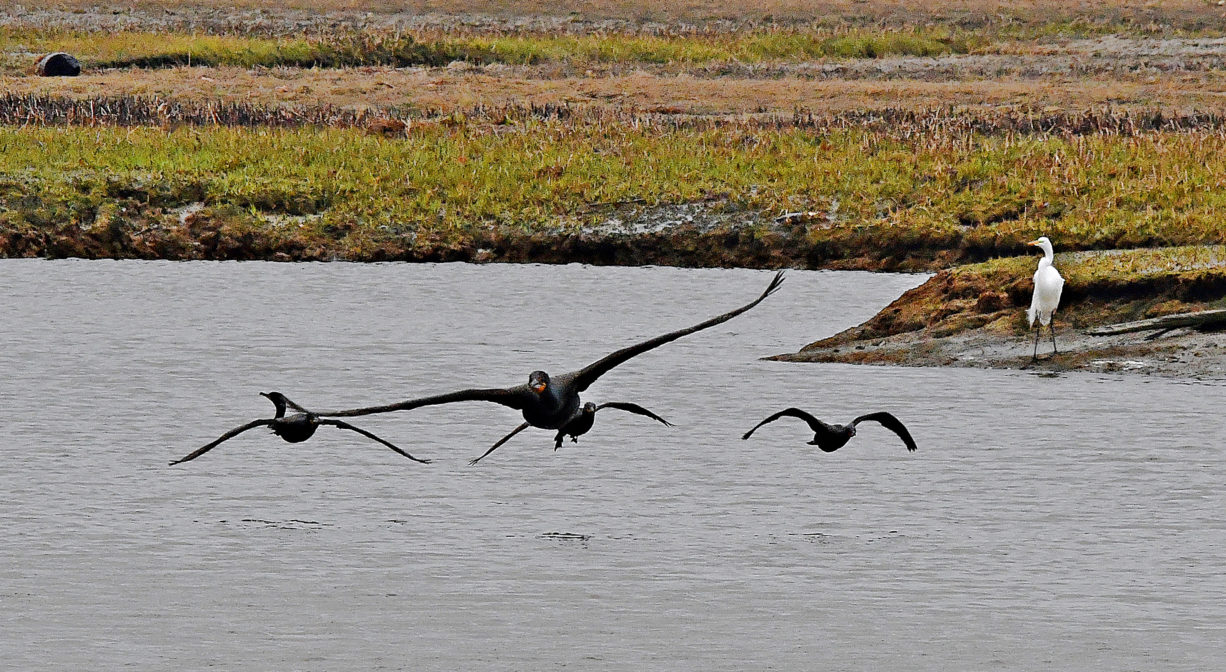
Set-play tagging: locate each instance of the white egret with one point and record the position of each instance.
(1047, 287)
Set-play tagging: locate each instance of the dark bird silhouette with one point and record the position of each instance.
(551, 402)
(292, 428)
(832, 437)
(579, 425)
(582, 423)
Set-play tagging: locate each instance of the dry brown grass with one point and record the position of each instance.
(451, 89)
(1069, 75)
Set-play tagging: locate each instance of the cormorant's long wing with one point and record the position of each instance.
(633, 408)
(500, 442)
(587, 375)
(515, 397)
(891, 423)
(228, 435)
(344, 425)
(815, 424)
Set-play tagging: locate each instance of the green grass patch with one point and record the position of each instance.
(925, 199)
(1115, 267)
(153, 50)
(143, 49)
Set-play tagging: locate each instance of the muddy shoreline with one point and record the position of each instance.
(979, 322)
(1186, 354)
(693, 235)
(957, 318)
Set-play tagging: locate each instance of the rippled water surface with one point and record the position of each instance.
(1071, 522)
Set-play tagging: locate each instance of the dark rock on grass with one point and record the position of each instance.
(58, 64)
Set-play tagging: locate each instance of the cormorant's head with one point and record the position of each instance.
(538, 381)
(277, 400)
(853, 430)
(589, 408)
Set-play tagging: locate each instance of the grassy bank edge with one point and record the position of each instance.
(989, 299)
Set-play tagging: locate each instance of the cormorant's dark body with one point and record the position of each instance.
(580, 424)
(294, 428)
(832, 437)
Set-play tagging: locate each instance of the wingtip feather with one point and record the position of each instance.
(776, 282)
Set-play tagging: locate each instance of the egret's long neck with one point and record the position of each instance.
(1048, 254)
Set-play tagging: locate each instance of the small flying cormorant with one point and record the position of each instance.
(832, 437)
(579, 425)
(293, 428)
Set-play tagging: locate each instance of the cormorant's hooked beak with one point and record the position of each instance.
(277, 400)
(538, 381)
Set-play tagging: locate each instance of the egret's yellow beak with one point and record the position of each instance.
(1033, 242)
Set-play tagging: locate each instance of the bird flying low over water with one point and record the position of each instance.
(832, 437)
(580, 424)
(551, 402)
(1046, 298)
(293, 428)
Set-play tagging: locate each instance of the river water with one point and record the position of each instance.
(1069, 522)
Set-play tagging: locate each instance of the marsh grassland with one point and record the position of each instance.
(873, 135)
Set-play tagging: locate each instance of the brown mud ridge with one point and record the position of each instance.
(963, 320)
(712, 234)
(683, 235)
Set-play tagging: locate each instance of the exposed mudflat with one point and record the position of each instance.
(1185, 353)
(974, 316)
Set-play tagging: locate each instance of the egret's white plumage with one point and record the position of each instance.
(1047, 287)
